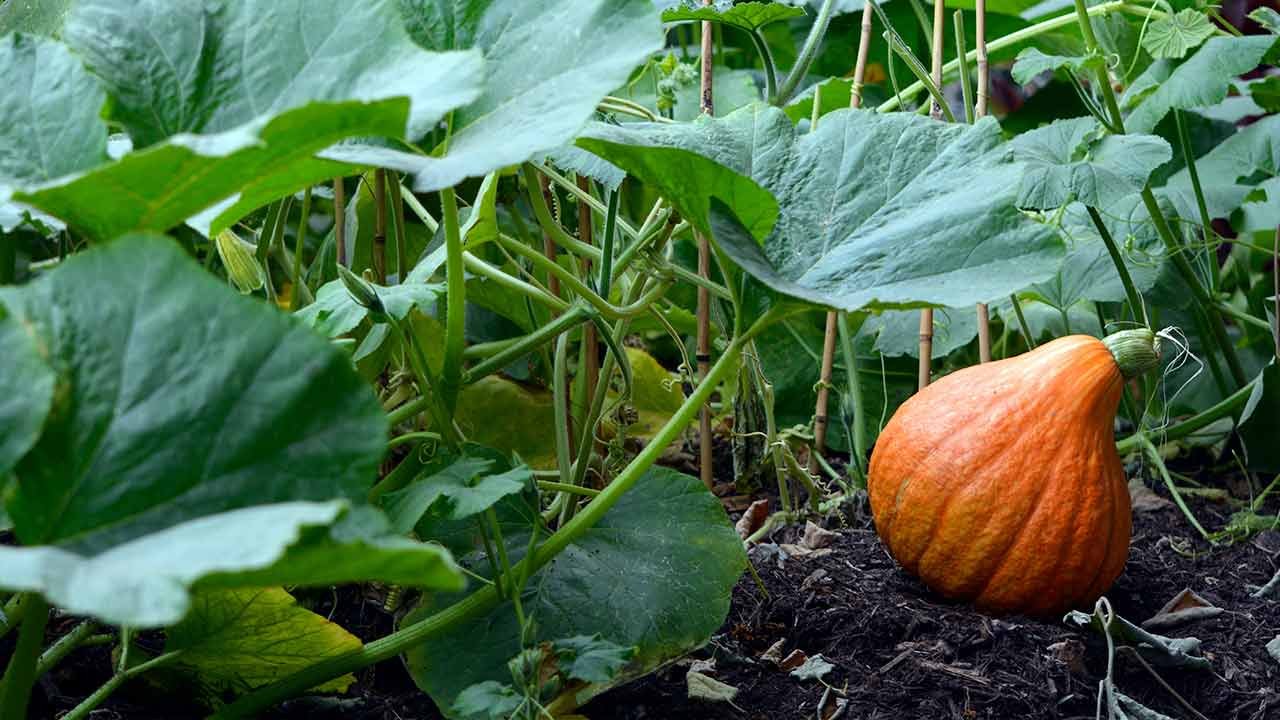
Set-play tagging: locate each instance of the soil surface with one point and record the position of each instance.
(897, 651)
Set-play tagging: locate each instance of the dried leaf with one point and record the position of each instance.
(753, 518)
(1144, 499)
(817, 537)
(703, 687)
(774, 653)
(815, 668)
(794, 660)
(1157, 649)
(1185, 607)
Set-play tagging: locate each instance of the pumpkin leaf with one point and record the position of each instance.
(336, 313)
(1267, 18)
(1175, 35)
(663, 562)
(460, 490)
(34, 17)
(591, 658)
(148, 581)
(1266, 93)
(1203, 79)
(1157, 649)
(1031, 62)
(26, 392)
(897, 332)
(510, 417)
(226, 116)
(161, 424)
(233, 641)
(1229, 172)
(1260, 421)
(940, 195)
(1076, 160)
(749, 16)
(521, 113)
(489, 699)
(44, 134)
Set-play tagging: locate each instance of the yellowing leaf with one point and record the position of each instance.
(509, 417)
(233, 641)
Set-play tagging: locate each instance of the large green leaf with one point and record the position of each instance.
(747, 16)
(877, 210)
(233, 641)
(1202, 80)
(149, 581)
(548, 64)
(36, 17)
(206, 67)
(244, 106)
(1229, 171)
(1260, 422)
(182, 399)
(50, 117)
(26, 391)
(656, 573)
(1076, 160)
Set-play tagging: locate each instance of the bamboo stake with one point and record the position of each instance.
(980, 111)
(704, 270)
(380, 226)
(339, 222)
(820, 420)
(926, 315)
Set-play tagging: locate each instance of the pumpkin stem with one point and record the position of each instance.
(1135, 351)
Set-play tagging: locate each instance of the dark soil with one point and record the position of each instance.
(898, 651)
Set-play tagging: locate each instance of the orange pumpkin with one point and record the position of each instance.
(1000, 483)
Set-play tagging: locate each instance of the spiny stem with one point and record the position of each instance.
(1136, 307)
(455, 300)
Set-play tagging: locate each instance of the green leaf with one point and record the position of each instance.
(897, 332)
(35, 17)
(661, 566)
(162, 186)
(1260, 422)
(508, 416)
(522, 113)
(1203, 79)
(233, 641)
(197, 67)
(50, 122)
(1229, 172)
(733, 88)
(459, 491)
(1266, 93)
(591, 658)
(748, 16)
(148, 582)
(1267, 18)
(1031, 62)
(667, 157)
(1176, 35)
(26, 391)
(655, 393)
(1262, 214)
(165, 418)
(489, 699)
(1077, 160)
(878, 211)
(336, 313)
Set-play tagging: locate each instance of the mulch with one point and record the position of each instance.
(897, 650)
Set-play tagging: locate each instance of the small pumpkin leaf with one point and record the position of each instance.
(335, 312)
(1267, 18)
(460, 490)
(815, 667)
(1031, 62)
(591, 658)
(1076, 160)
(490, 700)
(747, 16)
(1176, 35)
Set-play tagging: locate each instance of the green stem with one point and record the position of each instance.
(605, 281)
(553, 486)
(1243, 317)
(807, 54)
(91, 703)
(563, 238)
(431, 396)
(1223, 408)
(560, 400)
(485, 599)
(846, 335)
(922, 75)
(20, 676)
(1136, 307)
(299, 283)
(402, 242)
(767, 61)
(1022, 323)
(1018, 37)
(1184, 140)
(1158, 461)
(11, 615)
(8, 258)
(455, 300)
(508, 580)
(413, 437)
(534, 293)
(527, 344)
(63, 647)
(570, 281)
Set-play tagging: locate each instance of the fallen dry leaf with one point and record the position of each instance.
(794, 660)
(1144, 498)
(816, 537)
(1185, 607)
(753, 518)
